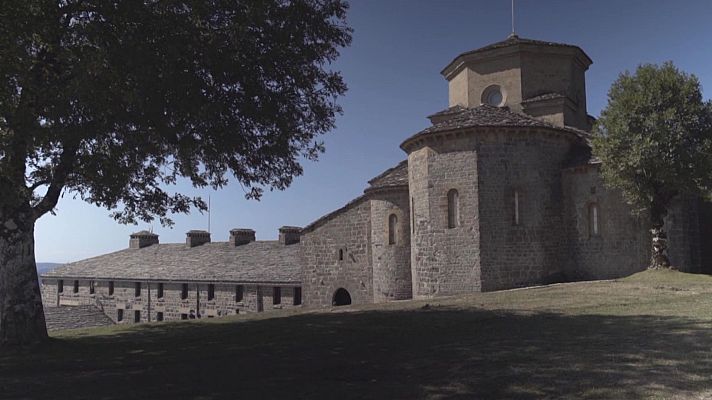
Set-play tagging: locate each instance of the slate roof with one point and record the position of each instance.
(392, 177)
(74, 317)
(484, 115)
(254, 262)
(514, 40)
(545, 96)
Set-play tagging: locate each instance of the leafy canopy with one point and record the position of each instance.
(115, 99)
(654, 138)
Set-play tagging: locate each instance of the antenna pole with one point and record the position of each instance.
(513, 17)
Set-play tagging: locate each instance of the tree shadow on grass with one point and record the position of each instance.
(437, 353)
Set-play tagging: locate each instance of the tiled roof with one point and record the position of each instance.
(323, 219)
(396, 176)
(545, 96)
(515, 40)
(261, 261)
(485, 115)
(74, 317)
(449, 111)
(491, 116)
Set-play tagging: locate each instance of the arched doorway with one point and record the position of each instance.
(341, 298)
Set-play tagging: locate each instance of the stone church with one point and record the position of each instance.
(501, 191)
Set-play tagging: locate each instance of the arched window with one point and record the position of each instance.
(453, 208)
(593, 216)
(392, 226)
(516, 207)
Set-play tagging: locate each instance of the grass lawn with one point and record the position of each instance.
(646, 336)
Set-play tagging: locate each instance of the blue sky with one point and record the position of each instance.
(392, 70)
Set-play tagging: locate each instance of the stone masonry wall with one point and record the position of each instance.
(444, 261)
(682, 225)
(349, 231)
(391, 262)
(255, 298)
(622, 245)
(525, 164)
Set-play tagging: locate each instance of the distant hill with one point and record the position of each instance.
(46, 267)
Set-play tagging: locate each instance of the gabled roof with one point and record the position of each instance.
(254, 262)
(392, 177)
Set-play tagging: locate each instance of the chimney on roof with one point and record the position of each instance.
(139, 240)
(196, 238)
(289, 234)
(241, 236)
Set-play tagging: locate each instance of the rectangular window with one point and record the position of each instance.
(75, 289)
(60, 286)
(159, 291)
(159, 316)
(184, 316)
(91, 287)
(137, 291)
(276, 295)
(593, 219)
(239, 293)
(184, 291)
(297, 296)
(137, 316)
(119, 315)
(211, 292)
(111, 288)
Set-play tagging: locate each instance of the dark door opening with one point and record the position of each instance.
(341, 298)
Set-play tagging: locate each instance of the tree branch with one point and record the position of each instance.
(59, 178)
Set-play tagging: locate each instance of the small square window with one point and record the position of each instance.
(184, 316)
(159, 316)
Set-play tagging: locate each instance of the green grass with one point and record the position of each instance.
(645, 336)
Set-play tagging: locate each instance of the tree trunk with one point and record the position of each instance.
(22, 319)
(659, 257)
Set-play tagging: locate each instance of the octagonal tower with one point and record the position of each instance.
(484, 180)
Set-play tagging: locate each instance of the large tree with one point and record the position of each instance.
(654, 139)
(114, 100)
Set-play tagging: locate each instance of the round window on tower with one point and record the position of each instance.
(494, 95)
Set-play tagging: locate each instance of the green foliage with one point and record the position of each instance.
(655, 138)
(115, 100)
